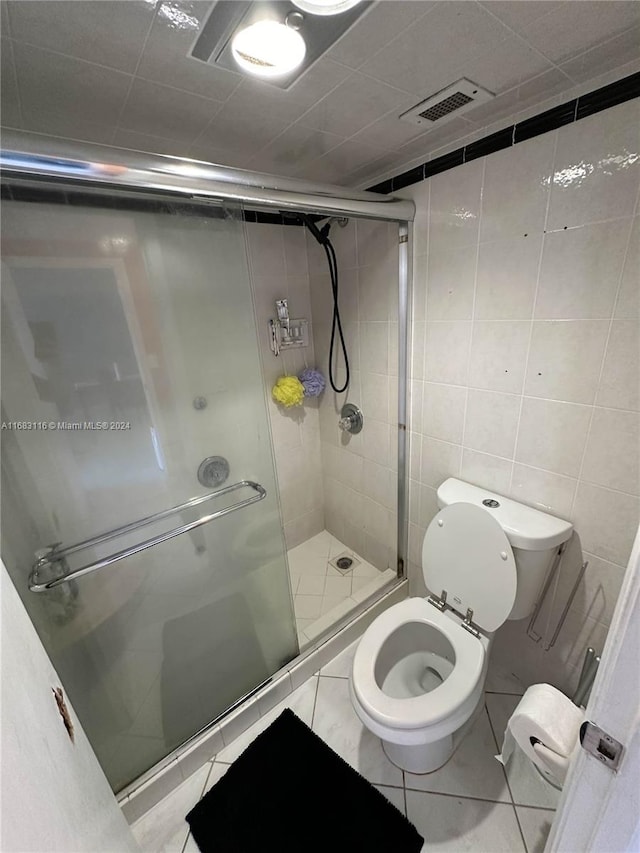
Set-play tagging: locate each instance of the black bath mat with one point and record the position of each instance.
(290, 792)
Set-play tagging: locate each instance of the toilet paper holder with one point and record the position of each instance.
(555, 764)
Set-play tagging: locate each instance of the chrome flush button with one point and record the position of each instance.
(490, 503)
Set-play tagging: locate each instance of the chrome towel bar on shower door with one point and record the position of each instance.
(55, 555)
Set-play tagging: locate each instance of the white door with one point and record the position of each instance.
(600, 810)
(55, 797)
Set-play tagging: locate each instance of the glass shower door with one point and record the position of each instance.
(129, 356)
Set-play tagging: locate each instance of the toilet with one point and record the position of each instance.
(419, 669)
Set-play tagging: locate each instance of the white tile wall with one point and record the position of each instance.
(526, 373)
(279, 270)
(359, 470)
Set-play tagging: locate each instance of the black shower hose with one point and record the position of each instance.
(336, 321)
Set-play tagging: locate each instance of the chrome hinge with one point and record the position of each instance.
(441, 602)
(600, 745)
(403, 239)
(468, 624)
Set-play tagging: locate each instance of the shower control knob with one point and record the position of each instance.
(213, 471)
(351, 419)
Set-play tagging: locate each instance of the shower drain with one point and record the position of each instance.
(344, 562)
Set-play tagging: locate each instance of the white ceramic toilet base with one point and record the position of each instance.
(419, 758)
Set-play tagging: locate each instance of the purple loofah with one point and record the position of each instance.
(313, 382)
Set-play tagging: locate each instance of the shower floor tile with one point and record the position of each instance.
(449, 807)
(322, 594)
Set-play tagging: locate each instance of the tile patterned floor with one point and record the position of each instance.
(323, 594)
(469, 804)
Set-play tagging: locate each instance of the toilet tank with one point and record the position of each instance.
(534, 536)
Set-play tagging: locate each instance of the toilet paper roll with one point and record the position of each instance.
(546, 715)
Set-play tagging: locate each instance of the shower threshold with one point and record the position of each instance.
(323, 594)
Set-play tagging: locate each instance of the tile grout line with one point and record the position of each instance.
(404, 794)
(317, 677)
(352, 72)
(116, 125)
(506, 778)
(502, 693)
(513, 802)
(499, 748)
(473, 317)
(533, 307)
(529, 396)
(202, 793)
(534, 49)
(15, 74)
(605, 348)
(517, 817)
(71, 56)
(471, 797)
(535, 808)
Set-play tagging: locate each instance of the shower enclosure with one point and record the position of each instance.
(142, 522)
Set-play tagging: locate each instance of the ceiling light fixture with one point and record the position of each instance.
(272, 40)
(268, 49)
(325, 7)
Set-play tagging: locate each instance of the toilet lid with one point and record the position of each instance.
(466, 553)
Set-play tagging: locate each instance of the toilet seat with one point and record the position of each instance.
(466, 554)
(418, 711)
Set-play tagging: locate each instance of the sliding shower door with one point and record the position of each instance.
(129, 357)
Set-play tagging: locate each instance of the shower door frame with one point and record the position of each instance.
(32, 160)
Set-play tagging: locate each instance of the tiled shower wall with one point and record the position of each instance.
(279, 270)
(327, 478)
(359, 471)
(525, 358)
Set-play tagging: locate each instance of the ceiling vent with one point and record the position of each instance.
(447, 104)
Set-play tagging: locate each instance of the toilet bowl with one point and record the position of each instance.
(417, 678)
(418, 672)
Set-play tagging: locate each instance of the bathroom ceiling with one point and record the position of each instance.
(118, 73)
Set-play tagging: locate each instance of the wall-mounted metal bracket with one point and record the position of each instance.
(601, 745)
(531, 633)
(285, 333)
(440, 603)
(469, 625)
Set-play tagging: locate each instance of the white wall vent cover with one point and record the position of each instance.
(447, 104)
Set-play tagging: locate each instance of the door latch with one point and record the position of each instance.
(601, 745)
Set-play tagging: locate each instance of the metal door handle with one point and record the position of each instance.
(55, 555)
